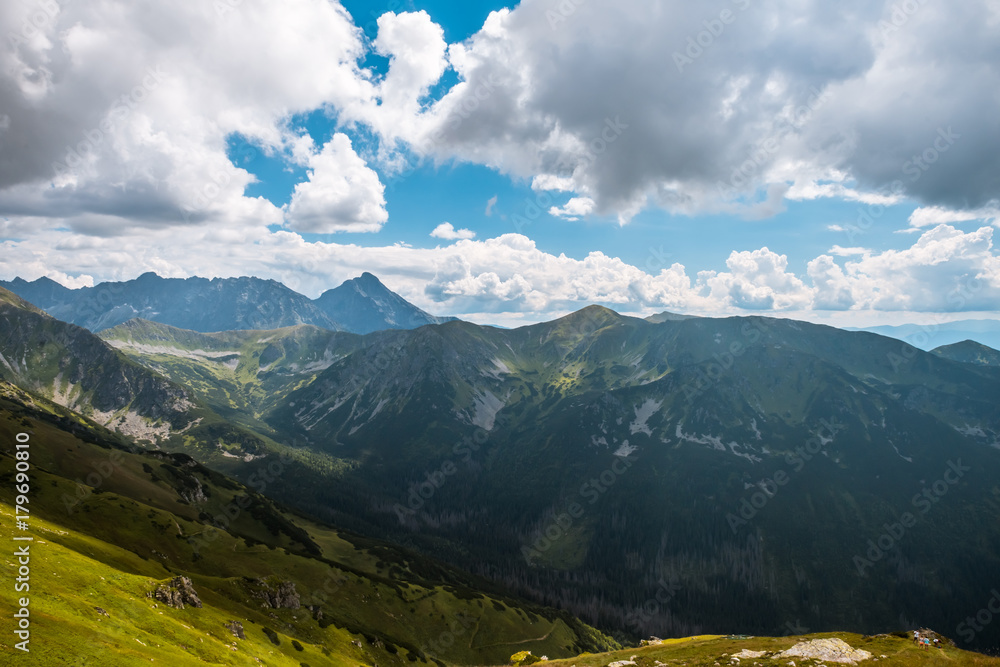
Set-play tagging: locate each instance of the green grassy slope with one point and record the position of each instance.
(709, 650)
(112, 522)
(237, 373)
(969, 352)
(706, 411)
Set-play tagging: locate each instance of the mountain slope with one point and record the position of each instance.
(74, 368)
(511, 428)
(927, 336)
(364, 305)
(969, 352)
(361, 305)
(628, 470)
(236, 373)
(301, 592)
(198, 304)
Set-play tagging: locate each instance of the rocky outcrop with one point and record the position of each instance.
(177, 593)
(827, 650)
(280, 595)
(236, 628)
(747, 653)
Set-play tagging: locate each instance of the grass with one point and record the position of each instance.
(110, 526)
(714, 650)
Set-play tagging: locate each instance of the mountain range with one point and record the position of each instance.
(360, 305)
(929, 336)
(669, 477)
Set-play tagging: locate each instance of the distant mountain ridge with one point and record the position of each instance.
(699, 415)
(74, 368)
(969, 352)
(363, 305)
(929, 336)
(360, 305)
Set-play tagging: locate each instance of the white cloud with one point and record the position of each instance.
(793, 99)
(341, 194)
(575, 208)
(945, 270)
(448, 232)
(927, 216)
(757, 280)
(847, 252)
(143, 138)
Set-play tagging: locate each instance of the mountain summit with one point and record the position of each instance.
(364, 304)
(361, 305)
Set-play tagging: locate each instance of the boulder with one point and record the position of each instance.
(178, 592)
(827, 650)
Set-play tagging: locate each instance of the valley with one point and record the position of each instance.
(672, 477)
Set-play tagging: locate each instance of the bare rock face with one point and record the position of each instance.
(827, 650)
(236, 628)
(280, 595)
(177, 593)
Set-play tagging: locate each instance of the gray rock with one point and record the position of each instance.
(177, 593)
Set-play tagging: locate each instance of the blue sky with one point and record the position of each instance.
(511, 163)
(420, 199)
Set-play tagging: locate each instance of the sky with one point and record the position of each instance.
(511, 163)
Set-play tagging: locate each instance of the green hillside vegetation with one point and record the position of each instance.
(113, 522)
(709, 650)
(969, 352)
(238, 374)
(697, 414)
(472, 444)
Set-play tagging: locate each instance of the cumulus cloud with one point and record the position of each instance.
(119, 114)
(104, 157)
(826, 102)
(946, 270)
(448, 232)
(758, 280)
(574, 209)
(927, 216)
(341, 194)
